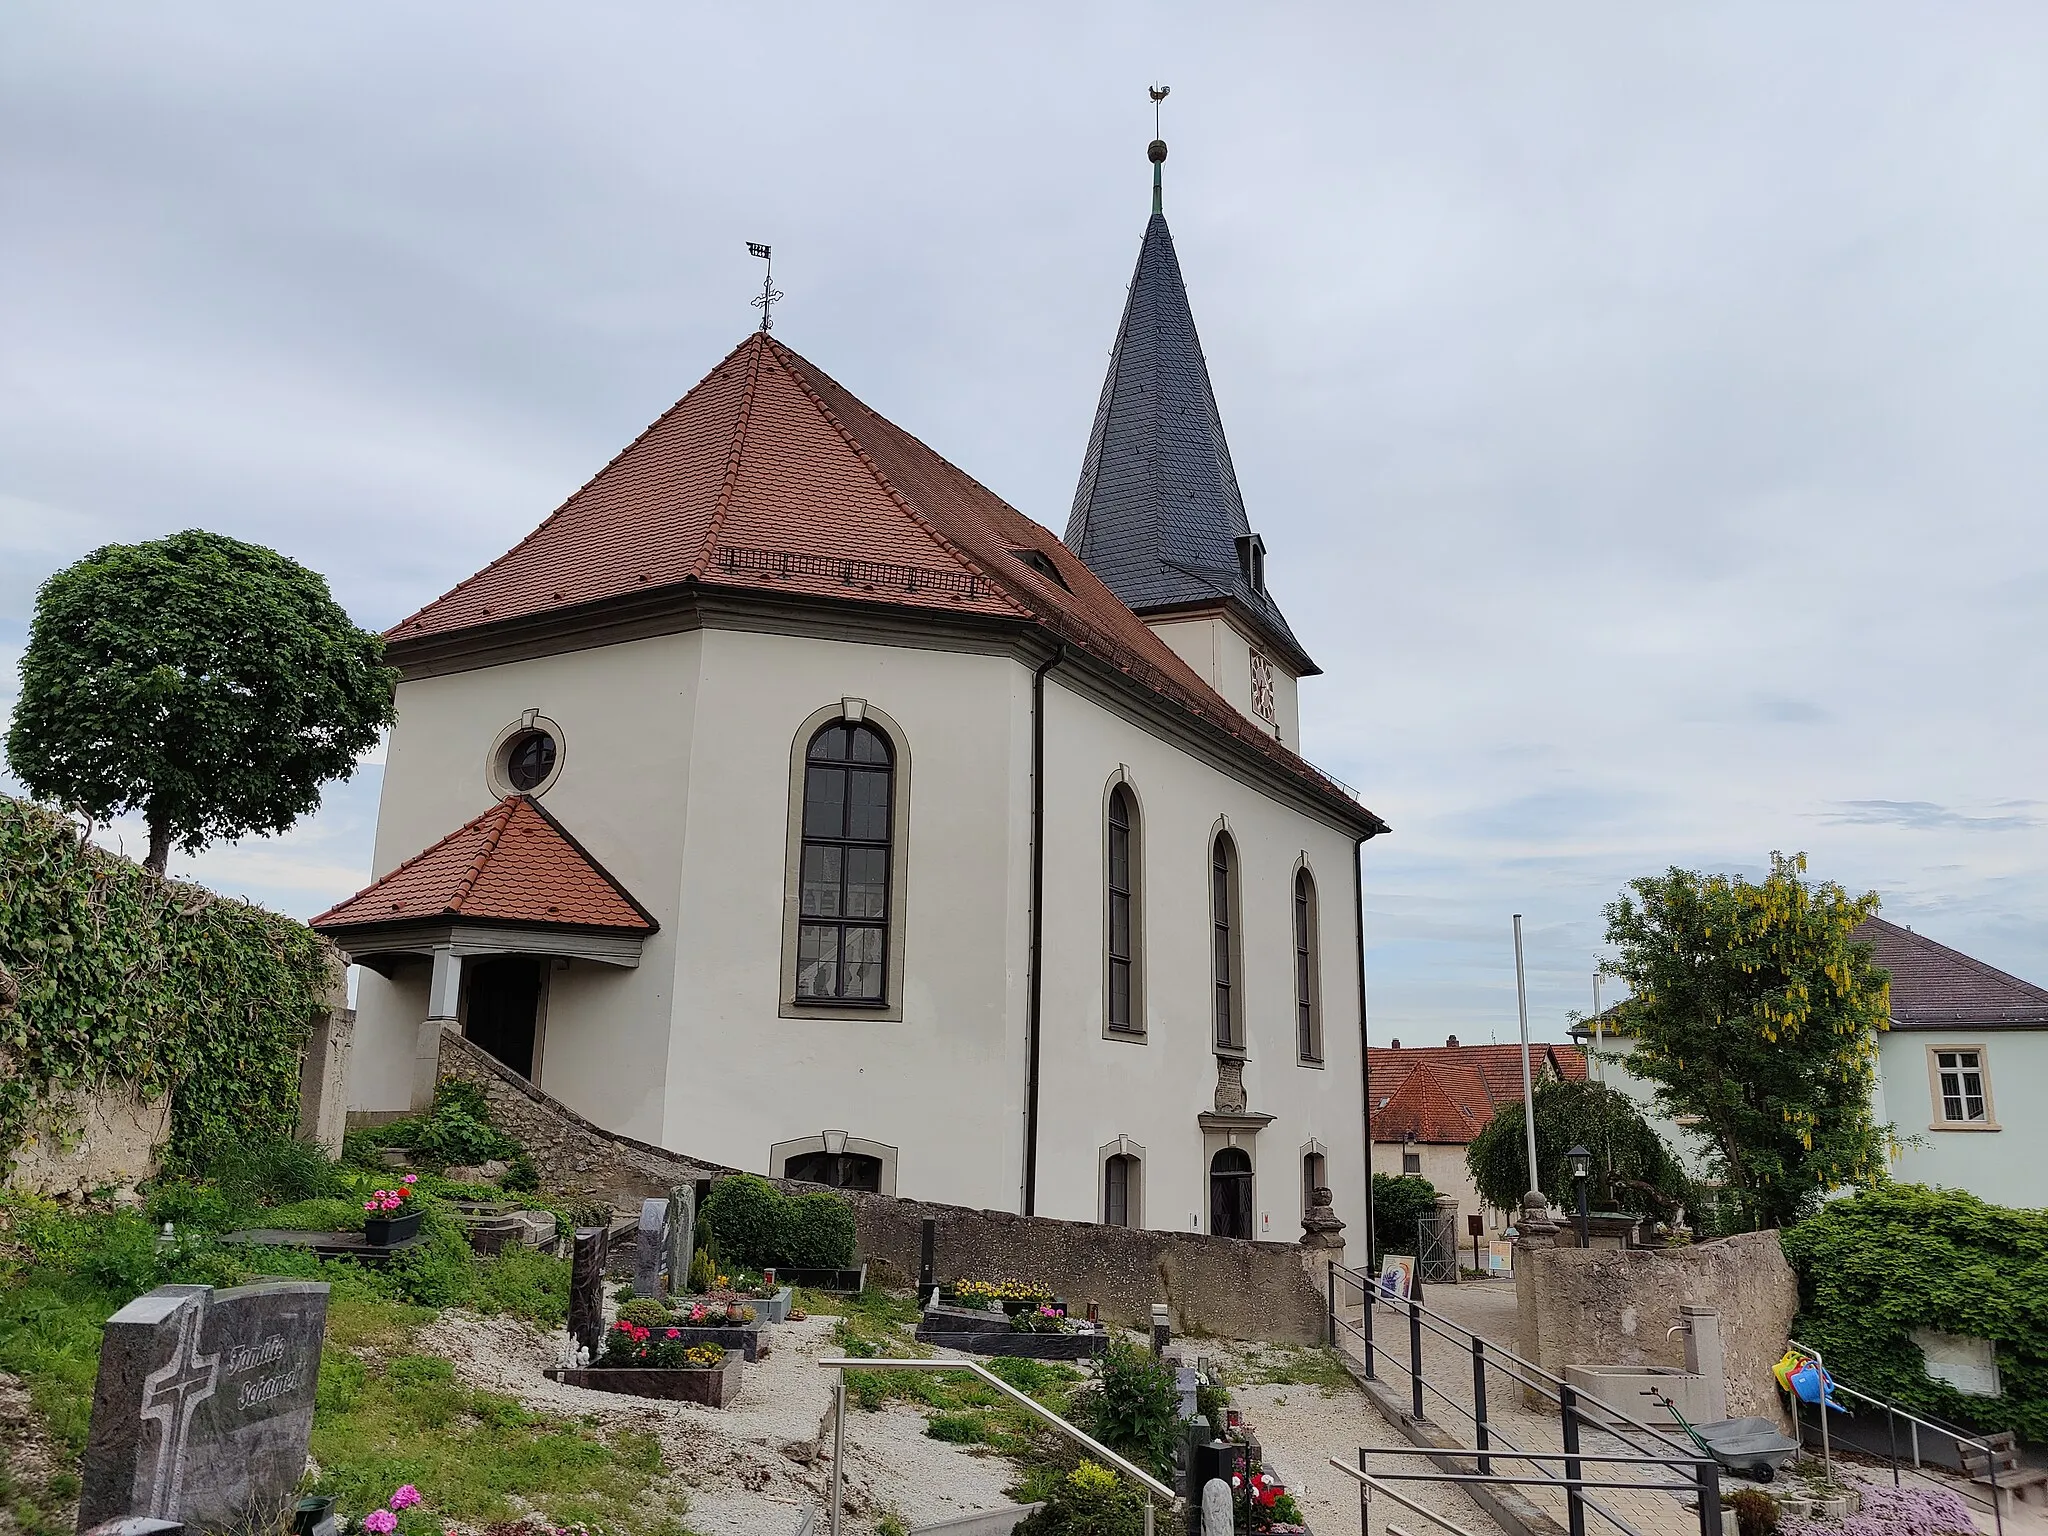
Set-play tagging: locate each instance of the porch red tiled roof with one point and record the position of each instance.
(769, 476)
(513, 864)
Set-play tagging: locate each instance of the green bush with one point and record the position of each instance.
(128, 978)
(1632, 1169)
(646, 1311)
(1091, 1500)
(1399, 1201)
(1133, 1407)
(1874, 1268)
(754, 1225)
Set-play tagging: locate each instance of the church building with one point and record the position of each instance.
(789, 799)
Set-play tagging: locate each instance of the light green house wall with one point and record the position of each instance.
(2005, 1163)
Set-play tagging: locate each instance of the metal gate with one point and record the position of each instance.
(1436, 1247)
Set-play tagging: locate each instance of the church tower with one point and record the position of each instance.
(1158, 516)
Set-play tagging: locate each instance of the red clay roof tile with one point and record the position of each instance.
(513, 864)
(1411, 1086)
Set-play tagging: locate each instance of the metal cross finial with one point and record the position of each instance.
(769, 292)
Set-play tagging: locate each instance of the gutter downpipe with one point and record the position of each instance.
(1034, 1003)
(1364, 1049)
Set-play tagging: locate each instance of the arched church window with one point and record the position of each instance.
(1124, 1003)
(1119, 1188)
(1230, 1193)
(843, 929)
(1226, 952)
(1308, 1012)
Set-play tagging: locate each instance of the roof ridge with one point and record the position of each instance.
(570, 500)
(889, 487)
(492, 835)
(734, 454)
(576, 847)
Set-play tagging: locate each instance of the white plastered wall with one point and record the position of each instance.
(2007, 1166)
(1222, 654)
(625, 713)
(1093, 1089)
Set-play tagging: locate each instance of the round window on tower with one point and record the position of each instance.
(526, 758)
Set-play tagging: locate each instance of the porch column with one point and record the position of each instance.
(444, 997)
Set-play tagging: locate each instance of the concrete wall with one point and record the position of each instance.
(2006, 1161)
(1606, 1307)
(1270, 1291)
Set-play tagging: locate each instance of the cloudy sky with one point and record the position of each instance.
(1644, 408)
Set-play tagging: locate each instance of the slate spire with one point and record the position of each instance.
(1157, 515)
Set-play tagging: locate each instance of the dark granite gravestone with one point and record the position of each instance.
(586, 1288)
(203, 1406)
(685, 1241)
(654, 1256)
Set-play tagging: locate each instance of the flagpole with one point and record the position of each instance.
(1528, 1080)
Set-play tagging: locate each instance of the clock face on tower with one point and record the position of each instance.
(1262, 688)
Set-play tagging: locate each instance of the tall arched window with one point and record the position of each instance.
(1230, 1193)
(1119, 1180)
(843, 936)
(1122, 1004)
(1227, 956)
(1308, 1011)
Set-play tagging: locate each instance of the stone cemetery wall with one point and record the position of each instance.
(1213, 1284)
(1603, 1307)
(203, 1406)
(81, 1141)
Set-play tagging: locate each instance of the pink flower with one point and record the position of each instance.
(381, 1522)
(369, 1205)
(406, 1497)
(675, 1333)
(410, 1178)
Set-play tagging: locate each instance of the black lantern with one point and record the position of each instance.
(1582, 1164)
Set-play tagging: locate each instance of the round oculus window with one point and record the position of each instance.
(529, 759)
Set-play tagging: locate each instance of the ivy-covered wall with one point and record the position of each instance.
(1874, 1268)
(125, 978)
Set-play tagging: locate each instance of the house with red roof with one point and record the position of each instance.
(788, 798)
(1428, 1102)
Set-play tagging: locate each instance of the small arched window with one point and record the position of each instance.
(1121, 877)
(1226, 954)
(1313, 1177)
(843, 934)
(1230, 1193)
(1308, 1011)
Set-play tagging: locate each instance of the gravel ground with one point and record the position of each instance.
(747, 1466)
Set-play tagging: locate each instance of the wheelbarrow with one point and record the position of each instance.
(1752, 1448)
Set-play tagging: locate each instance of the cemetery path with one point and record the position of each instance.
(771, 1448)
(29, 1454)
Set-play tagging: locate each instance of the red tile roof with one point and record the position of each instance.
(513, 864)
(1935, 987)
(769, 476)
(1446, 1093)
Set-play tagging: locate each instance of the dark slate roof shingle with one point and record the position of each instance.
(1935, 987)
(1157, 514)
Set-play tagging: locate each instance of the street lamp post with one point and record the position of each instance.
(1582, 1163)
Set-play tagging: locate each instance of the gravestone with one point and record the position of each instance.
(586, 1288)
(654, 1253)
(1219, 1515)
(203, 1406)
(685, 1248)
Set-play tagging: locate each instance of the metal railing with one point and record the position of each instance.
(1893, 1413)
(1649, 1447)
(1095, 1448)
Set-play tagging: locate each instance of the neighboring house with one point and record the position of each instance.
(1965, 1038)
(1430, 1101)
(787, 798)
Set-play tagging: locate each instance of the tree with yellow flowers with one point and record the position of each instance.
(1756, 1015)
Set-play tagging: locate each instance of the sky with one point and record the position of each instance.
(1642, 406)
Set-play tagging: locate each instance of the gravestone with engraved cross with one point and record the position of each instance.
(203, 1406)
(654, 1255)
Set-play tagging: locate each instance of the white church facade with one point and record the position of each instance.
(788, 799)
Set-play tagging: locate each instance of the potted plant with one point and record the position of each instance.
(390, 1216)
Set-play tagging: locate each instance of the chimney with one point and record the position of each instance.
(1452, 1042)
(1394, 1045)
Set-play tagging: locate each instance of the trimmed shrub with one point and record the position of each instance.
(754, 1225)
(818, 1232)
(1399, 1201)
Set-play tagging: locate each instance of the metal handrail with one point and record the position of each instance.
(1954, 1432)
(1369, 1481)
(1086, 1441)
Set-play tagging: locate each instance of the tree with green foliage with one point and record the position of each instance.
(1876, 1269)
(1756, 1015)
(1399, 1201)
(1632, 1169)
(213, 685)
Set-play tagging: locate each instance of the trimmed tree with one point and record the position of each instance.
(1632, 1169)
(1756, 1015)
(213, 685)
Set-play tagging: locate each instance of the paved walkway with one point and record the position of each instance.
(1488, 1308)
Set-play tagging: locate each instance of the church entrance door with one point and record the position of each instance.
(502, 1014)
(1230, 1193)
